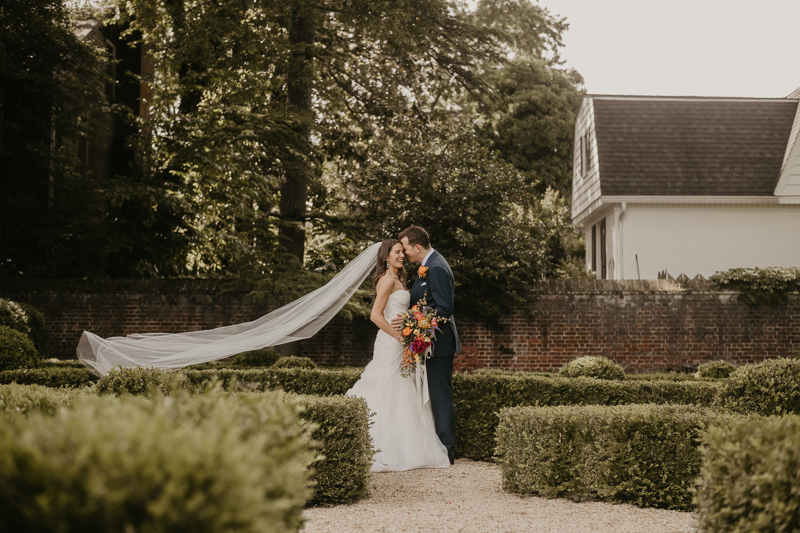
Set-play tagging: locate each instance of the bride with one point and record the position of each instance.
(403, 429)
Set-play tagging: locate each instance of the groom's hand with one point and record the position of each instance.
(397, 321)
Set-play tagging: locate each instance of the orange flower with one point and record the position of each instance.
(422, 272)
(418, 316)
(406, 332)
(423, 323)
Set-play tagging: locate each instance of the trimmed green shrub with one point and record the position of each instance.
(49, 377)
(208, 463)
(16, 350)
(26, 399)
(646, 455)
(771, 387)
(590, 366)
(258, 358)
(61, 363)
(343, 440)
(668, 376)
(141, 381)
(716, 370)
(293, 361)
(25, 319)
(750, 477)
(295, 380)
(478, 398)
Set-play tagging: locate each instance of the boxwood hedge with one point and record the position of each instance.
(207, 463)
(771, 387)
(750, 477)
(342, 474)
(646, 455)
(49, 376)
(479, 397)
(297, 380)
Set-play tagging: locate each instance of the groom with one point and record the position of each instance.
(436, 284)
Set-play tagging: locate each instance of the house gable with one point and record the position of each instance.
(585, 164)
(788, 188)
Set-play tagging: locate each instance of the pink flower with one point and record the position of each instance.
(419, 346)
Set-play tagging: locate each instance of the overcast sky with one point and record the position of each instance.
(683, 47)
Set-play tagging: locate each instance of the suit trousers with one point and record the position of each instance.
(440, 386)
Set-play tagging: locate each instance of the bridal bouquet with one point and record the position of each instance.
(420, 324)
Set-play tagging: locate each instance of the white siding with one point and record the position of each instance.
(792, 137)
(703, 239)
(585, 189)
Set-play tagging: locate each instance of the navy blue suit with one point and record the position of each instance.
(438, 287)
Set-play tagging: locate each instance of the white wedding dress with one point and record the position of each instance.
(403, 429)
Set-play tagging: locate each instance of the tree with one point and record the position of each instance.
(482, 214)
(47, 107)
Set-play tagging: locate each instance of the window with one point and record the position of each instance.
(603, 272)
(587, 161)
(594, 248)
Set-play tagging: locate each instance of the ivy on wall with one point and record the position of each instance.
(772, 286)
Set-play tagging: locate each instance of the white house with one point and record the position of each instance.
(687, 185)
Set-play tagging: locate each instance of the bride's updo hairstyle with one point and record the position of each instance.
(380, 265)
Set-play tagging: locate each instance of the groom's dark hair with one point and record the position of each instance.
(416, 235)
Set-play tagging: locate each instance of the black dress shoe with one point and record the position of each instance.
(452, 460)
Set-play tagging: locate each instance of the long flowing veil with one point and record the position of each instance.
(298, 320)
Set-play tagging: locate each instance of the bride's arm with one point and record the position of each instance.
(384, 289)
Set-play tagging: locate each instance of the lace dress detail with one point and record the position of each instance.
(403, 429)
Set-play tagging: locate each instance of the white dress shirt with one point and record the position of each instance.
(427, 256)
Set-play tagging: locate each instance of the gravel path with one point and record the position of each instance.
(468, 498)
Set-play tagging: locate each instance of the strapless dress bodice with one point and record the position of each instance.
(397, 303)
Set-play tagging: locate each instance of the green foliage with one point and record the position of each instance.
(50, 87)
(317, 382)
(770, 286)
(715, 369)
(144, 381)
(771, 387)
(293, 361)
(750, 477)
(25, 319)
(497, 233)
(52, 376)
(478, 398)
(646, 455)
(260, 358)
(669, 376)
(16, 350)
(28, 399)
(209, 463)
(61, 363)
(590, 366)
(343, 440)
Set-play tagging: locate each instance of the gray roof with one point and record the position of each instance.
(668, 146)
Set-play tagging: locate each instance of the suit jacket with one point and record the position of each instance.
(438, 288)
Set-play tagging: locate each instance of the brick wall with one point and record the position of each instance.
(642, 325)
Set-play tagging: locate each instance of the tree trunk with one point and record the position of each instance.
(298, 168)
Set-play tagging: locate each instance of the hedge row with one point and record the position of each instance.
(342, 475)
(208, 463)
(27, 399)
(479, 397)
(750, 478)
(296, 380)
(646, 455)
(341, 425)
(52, 376)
